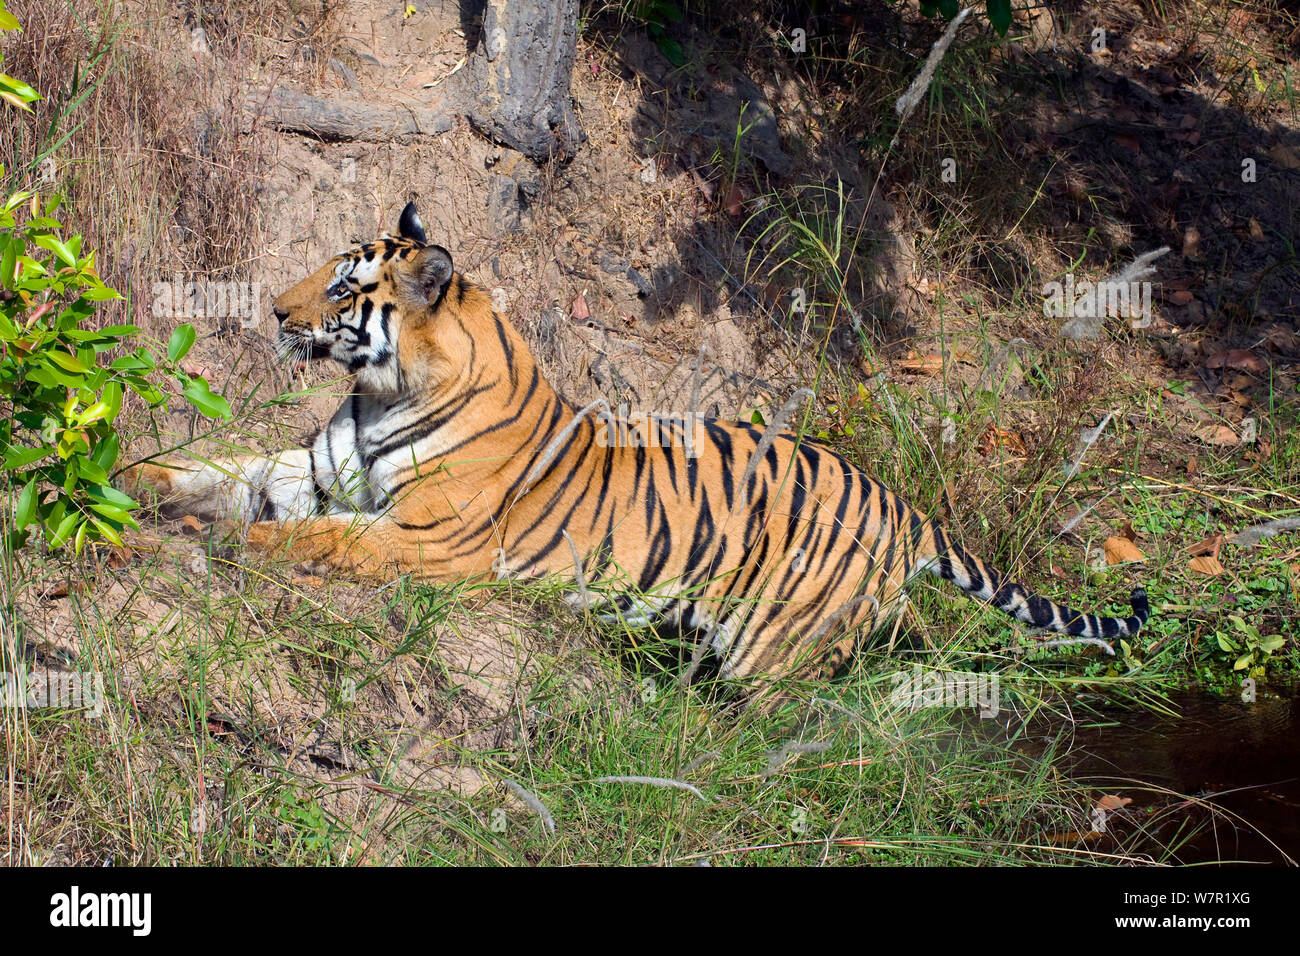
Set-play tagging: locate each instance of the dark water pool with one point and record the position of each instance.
(1243, 757)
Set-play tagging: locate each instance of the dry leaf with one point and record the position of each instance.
(1191, 467)
(1129, 142)
(735, 201)
(308, 581)
(1192, 243)
(1207, 565)
(1256, 231)
(1243, 360)
(1261, 452)
(1121, 550)
(1109, 802)
(191, 523)
(1282, 337)
(921, 363)
(1288, 157)
(579, 310)
(1210, 546)
(1218, 435)
(1128, 532)
(1181, 297)
(994, 437)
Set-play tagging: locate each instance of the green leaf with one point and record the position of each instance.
(8, 261)
(110, 511)
(200, 396)
(110, 533)
(180, 342)
(110, 495)
(672, 50)
(8, 21)
(66, 256)
(101, 293)
(119, 331)
(112, 396)
(26, 507)
(60, 533)
(132, 363)
(92, 472)
(69, 362)
(1272, 643)
(17, 457)
(52, 377)
(106, 451)
(1242, 662)
(999, 15)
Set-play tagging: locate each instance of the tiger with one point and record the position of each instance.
(453, 459)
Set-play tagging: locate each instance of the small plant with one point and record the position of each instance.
(998, 11)
(1253, 649)
(308, 821)
(59, 385)
(657, 14)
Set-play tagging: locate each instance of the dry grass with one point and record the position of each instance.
(159, 162)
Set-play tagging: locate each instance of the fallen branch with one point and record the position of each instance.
(339, 120)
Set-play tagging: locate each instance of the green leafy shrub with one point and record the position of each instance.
(657, 15)
(61, 389)
(998, 11)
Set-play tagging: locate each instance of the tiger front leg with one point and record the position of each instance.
(372, 546)
(238, 489)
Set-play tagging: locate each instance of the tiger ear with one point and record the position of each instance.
(409, 226)
(425, 274)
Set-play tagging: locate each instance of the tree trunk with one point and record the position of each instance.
(520, 74)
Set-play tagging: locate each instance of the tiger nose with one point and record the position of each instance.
(280, 314)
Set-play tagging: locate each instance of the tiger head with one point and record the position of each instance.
(371, 309)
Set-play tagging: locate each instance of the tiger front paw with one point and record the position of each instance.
(143, 480)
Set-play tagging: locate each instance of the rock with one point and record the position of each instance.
(505, 204)
(644, 287)
(613, 264)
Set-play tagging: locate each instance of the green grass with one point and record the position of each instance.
(209, 753)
